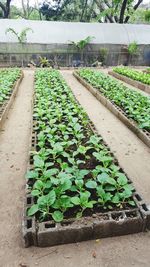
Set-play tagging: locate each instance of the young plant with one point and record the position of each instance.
(70, 162)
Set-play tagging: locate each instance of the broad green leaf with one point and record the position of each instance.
(31, 175)
(116, 199)
(122, 179)
(57, 216)
(33, 210)
(38, 162)
(75, 200)
(38, 184)
(103, 178)
(50, 172)
(91, 184)
(51, 196)
(35, 193)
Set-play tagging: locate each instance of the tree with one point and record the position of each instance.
(5, 6)
(118, 11)
(69, 10)
(147, 15)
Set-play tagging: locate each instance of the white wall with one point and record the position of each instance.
(48, 32)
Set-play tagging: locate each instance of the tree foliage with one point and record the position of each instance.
(113, 11)
(117, 11)
(5, 8)
(69, 10)
(147, 15)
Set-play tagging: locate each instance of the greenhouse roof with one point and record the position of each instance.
(49, 32)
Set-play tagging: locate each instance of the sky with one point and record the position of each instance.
(18, 2)
(32, 2)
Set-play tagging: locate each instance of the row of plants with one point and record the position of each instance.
(133, 103)
(7, 79)
(133, 74)
(73, 173)
(147, 70)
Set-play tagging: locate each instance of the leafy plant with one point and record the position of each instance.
(133, 74)
(134, 104)
(82, 44)
(103, 55)
(44, 62)
(22, 36)
(7, 79)
(133, 48)
(73, 172)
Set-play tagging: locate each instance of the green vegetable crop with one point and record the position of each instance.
(133, 74)
(73, 172)
(133, 103)
(7, 80)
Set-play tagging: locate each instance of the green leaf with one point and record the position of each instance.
(116, 199)
(51, 196)
(82, 173)
(79, 183)
(110, 187)
(35, 193)
(84, 196)
(39, 184)
(132, 203)
(42, 201)
(94, 139)
(31, 175)
(33, 210)
(103, 178)
(38, 162)
(90, 204)
(75, 200)
(111, 181)
(50, 172)
(82, 149)
(57, 216)
(91, 184)
(48, 184)
(66, 185)
(122, 179)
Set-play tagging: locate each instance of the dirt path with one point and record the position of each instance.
(126, 146)
(14, 145)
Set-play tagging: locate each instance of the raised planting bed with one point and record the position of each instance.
(131, 107)
(9, 83)
(147, 71)
(133, 77)
(75, 188)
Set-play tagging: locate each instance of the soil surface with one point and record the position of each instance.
(131, 250)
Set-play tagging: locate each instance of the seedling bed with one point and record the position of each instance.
(143, 134)
(96, 221)
(137, 84)
(7, 103)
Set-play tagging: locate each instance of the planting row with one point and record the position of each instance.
(135, 105)
(147, 70)
(73, 172)
(133, 74)
(8, 77)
